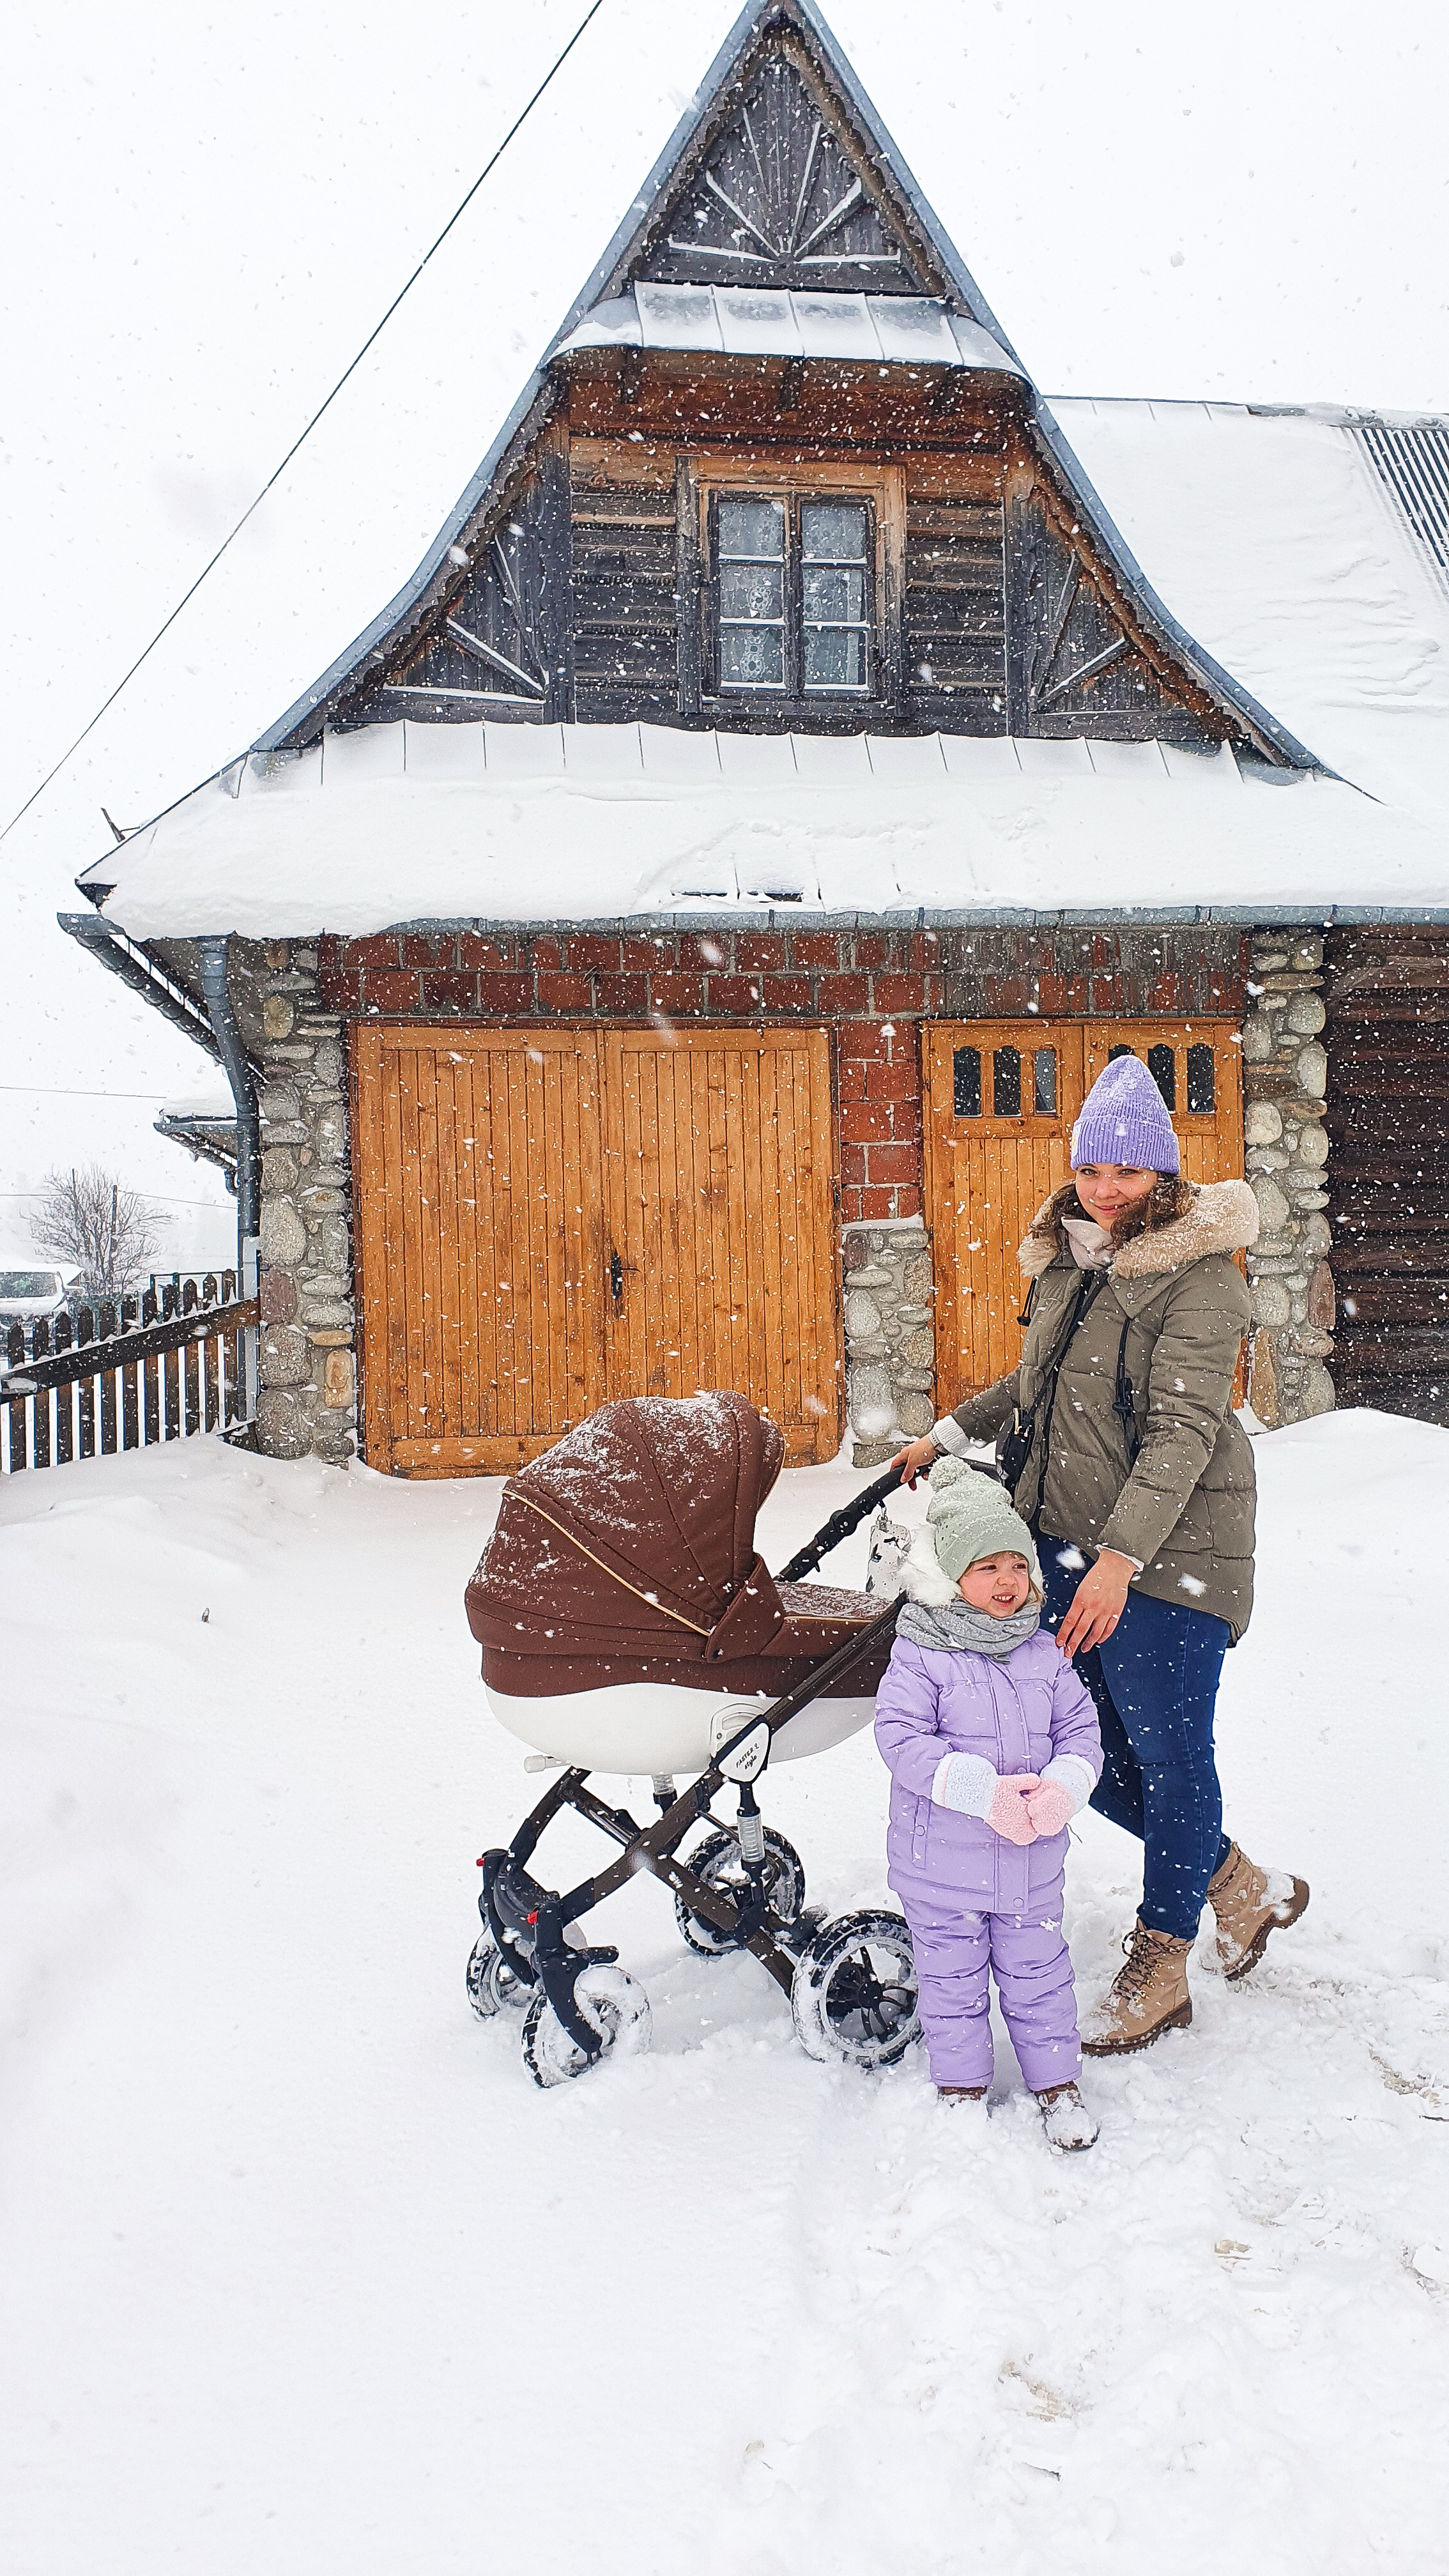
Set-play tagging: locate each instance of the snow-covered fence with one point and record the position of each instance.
(125, 1375)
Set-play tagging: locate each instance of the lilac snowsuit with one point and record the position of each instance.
(969, 1895)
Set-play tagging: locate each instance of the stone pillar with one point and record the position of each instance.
(308, 1400)
(890, 1346)
(1285, 1073)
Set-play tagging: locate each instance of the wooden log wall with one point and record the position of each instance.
(1388, 1124)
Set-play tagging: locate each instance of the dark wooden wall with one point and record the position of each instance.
(1388, 1169)
(586, 596)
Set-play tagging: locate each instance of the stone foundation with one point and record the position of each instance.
(307, 1405)
(1285, 1074)
(890, 1345)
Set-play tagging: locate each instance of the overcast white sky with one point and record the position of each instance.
(206, 211)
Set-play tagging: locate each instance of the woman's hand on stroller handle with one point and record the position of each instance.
(916, 1459)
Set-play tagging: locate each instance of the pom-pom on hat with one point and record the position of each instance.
(1124, 1120)
(969, 1516)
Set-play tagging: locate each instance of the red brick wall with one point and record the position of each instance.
(871, 985)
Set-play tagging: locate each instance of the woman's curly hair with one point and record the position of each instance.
(1170, 1197)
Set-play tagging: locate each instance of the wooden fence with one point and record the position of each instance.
(124, 1375)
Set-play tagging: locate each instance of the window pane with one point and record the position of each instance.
(967, 1069)
(752, 657)
(1201, 1087)
(751, 528)
(834, 657)
(1162, 1065)
(1114, 1052)
(752, 590)
(1045, 1082)
(833, 532)
(835, 591)
(1006, 1083)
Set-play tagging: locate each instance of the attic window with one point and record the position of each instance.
(792, 585)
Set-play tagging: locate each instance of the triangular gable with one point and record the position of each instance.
(781, 176)
(782, 199)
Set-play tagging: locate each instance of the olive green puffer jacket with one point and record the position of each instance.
(1186, 1507)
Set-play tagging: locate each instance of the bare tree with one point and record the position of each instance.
(108, 1233)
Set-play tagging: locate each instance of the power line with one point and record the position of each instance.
(351, 370)
(219, 1207)
(68, 1091)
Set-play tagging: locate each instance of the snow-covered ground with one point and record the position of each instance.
(302, 2274)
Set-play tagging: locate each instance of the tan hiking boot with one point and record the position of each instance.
(1146, 1997)
(1249, 1903)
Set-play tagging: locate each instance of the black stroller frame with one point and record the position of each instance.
(846, 2004)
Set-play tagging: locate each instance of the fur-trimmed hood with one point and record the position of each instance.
(1223, 1218)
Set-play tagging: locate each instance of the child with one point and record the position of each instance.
(992, 1744)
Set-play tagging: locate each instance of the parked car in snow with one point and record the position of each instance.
(26, 1295)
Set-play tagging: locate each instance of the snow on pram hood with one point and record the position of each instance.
(634, 1535)
(1272, 537)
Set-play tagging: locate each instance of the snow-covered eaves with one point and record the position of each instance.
(895, 330)
(410, 822)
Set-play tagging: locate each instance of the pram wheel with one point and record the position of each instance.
(719, 1863)
(491, 1981)
(611, 2002)
(855, 1991)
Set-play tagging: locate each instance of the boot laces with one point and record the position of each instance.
(1141, 1947)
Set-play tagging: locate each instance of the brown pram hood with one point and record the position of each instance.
(635, 1537)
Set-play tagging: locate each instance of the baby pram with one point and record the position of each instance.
(628, 1625)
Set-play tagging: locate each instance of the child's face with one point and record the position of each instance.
(997, 1584)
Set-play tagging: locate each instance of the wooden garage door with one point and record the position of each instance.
(1000, 1100)
(719, 1185)
(552, 1217)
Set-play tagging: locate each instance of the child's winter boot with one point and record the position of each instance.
(1146, 1997)
(1249, 1903)
(1068, 2123)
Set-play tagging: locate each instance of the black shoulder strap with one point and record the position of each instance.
(1124, 1403)
(1016, 1450)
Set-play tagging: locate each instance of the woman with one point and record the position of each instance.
(1123, 1447)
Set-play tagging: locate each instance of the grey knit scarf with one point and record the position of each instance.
(959, 1630)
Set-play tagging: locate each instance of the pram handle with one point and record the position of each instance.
(841, 1524)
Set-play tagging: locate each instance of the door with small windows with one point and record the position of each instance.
(1000, 1100)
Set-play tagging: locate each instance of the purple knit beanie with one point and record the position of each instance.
(1124, 1120)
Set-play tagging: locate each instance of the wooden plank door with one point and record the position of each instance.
(1198, 1068)
(1000, 1097)
(480, 1241)
(719, 1195)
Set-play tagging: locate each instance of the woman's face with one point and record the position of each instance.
(1105, 1189)
(999, 1584)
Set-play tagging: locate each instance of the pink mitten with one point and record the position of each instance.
(1050, 1806)
(1007, 1814)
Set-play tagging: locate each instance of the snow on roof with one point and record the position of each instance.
(903, 330)
(1273, 537)
(412, 821)
(1276, 541)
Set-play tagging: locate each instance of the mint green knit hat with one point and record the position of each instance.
(969, 1516)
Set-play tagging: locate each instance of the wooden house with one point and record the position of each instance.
(669, 947)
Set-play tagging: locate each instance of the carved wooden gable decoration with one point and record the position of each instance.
(782, 200)
(782, 322)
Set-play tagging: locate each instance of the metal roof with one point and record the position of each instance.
(899, 330)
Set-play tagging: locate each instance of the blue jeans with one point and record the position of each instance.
(1155, 1683)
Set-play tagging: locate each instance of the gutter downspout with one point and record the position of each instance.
(212, 959)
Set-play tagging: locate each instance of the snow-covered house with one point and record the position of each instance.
(668, 948)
